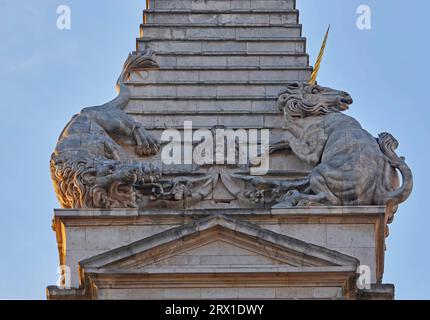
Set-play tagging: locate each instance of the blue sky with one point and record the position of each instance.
(47, 75)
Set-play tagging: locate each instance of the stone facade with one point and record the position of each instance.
(133, 227)
(313, 244)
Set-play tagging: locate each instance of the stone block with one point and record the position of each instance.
(294, 293)
(167, 60)
(284, 60)
(268, 106)
(220, 17)
(131, 294)
(257, 293)
(215, 33)
(327, 293)
(273, 46)
(182, 294)
(312, 233)
(224, 46)
(240, 90)
(153, 90)
(75, 239)
(204, 61)
(222, 4)
(165, 76)
(273, 75)
(169, 121)
(242, 61)
(139, 232)
(210, 5)
(241, 121)
(223, 76)
(99, 238)
(271, 4)
(223, 105)
(197, 91)
(351, 236)
(161, 106)
(170, 4)
(267, 32)
(219, 293)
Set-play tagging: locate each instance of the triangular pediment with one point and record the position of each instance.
(214, 244)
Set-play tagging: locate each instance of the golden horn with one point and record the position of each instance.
(317, 66)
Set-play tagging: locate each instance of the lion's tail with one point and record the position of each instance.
(388, 145)
(135, 61)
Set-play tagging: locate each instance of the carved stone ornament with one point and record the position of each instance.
(92, 167)
(350, 166)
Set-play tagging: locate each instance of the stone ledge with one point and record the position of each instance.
(214, 112)
(330, 210)
(209, 82)
(223, 4)
(207, 98)
(378, 292)
(169, 270)
(230, 11)
(96, 213)
(228, 54)
(55, 293)
(308, 211)
(229, 68)
(222, 25)
(209, 39)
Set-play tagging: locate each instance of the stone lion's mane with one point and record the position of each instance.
(74, 183)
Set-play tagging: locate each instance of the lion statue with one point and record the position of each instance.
(350, 166)
(90, 168)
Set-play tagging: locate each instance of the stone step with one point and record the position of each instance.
(264, 60)
(263, 89)
(236, 17)
(194, 105)
(199, 46)
(153, 122)
(182, 32)
(222, 4)
(218, 75)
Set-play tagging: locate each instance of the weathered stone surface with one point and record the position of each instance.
(90, 167)
(226, 75)
(351, 166)
(264, 60)
(222, 4)
(215, 231)
(181, 32)
(237, 17)
(310, 225)
(234, 46)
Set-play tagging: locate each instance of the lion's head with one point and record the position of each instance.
(301, 100)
